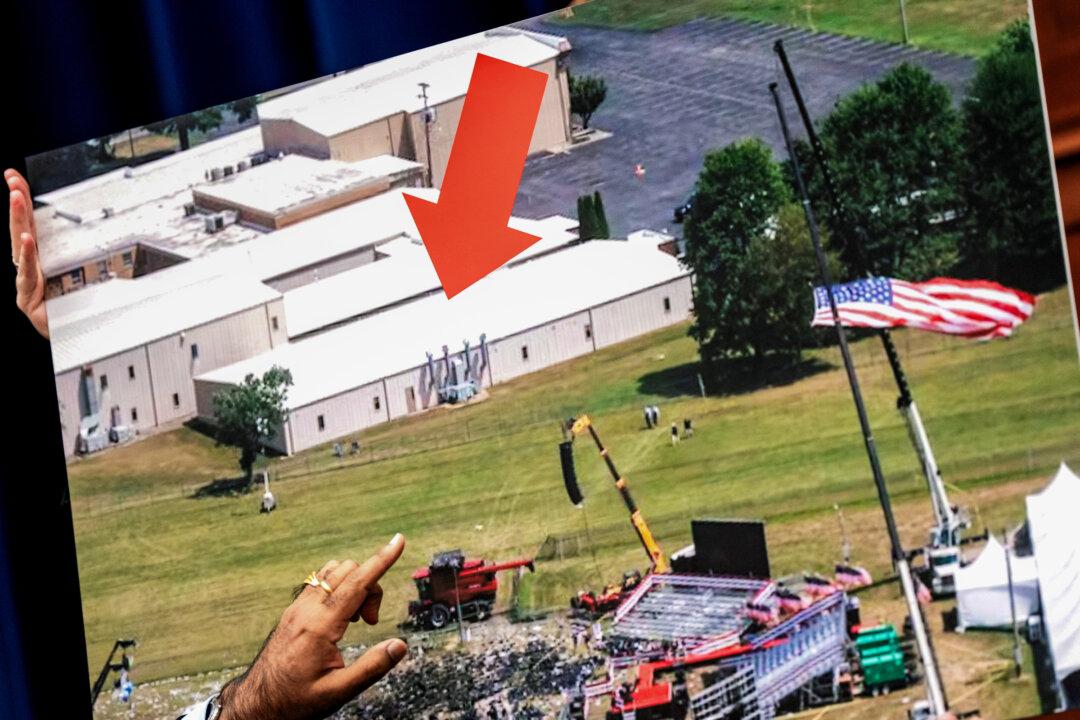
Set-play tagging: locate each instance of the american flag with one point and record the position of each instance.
(973, 308)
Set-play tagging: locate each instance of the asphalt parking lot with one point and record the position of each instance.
(676, 93)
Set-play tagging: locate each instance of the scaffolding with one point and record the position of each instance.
(694, 609)
(779, 662)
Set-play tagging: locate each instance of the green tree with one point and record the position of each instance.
(736, 201)
(204, 120)
(586, 94)
(602, 229)
(894, 149)
(252, 413)
(1011, 229)
(588, 224)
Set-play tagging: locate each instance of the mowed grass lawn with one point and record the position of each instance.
(200, 581)
(960, 26)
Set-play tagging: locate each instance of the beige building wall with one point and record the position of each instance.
(541, 347)
(221, 342)
(382, 137)
(643, 312)
(342, 415)
(289, 136)
(323, 269)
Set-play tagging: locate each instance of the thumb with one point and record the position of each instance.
(369, 668)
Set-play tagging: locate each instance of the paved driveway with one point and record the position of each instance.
(676, 93)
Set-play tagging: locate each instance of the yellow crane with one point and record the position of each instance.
(582, 424)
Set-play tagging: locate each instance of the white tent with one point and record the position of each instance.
(1054, 519)
(982, 589)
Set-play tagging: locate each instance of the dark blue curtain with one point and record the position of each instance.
(78, 70)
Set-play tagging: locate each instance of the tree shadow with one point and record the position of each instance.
(224, 487)
(733, 376)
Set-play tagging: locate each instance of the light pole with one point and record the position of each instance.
(427, 130)
(903, 21)
(1017, 656)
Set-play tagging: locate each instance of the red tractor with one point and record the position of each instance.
(452, 584)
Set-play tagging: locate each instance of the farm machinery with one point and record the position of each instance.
(455, 588)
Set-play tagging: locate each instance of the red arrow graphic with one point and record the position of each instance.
(466, 232)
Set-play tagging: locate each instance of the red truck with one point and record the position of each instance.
(451, 582)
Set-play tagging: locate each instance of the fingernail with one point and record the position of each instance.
(397, 649)
(395, 540)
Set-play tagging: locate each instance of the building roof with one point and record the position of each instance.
(504, 303)
(280, 187)
(145, 205)
(368, 222)
(404, 271)
(97, 335)
(385, 88)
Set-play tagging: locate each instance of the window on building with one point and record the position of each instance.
(321, 422)
(76, 276)
(378, 403)
(524, 352)
(176, 400)
(134, 415)
(194, 351)
(103, 267)
(273, 322)
(667, 304)
(131, 372)
(104, 383)
(588, 331)
(128, 258)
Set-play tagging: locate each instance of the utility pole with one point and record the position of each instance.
(934, 689)
(903, 21)
(427, 130)
(1017, 656)
(944, 553)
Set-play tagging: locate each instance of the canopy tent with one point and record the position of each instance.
(982, 589)
(1053, 516)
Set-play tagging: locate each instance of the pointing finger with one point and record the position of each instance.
(349, 596)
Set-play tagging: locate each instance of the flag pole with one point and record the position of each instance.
(947, 524)
(934, 689)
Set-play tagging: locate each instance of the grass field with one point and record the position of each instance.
(201, 581)
(960, 26)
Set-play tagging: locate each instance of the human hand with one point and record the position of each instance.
(300, 674)
(30, 281)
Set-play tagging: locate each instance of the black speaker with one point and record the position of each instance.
(730, 547)
(566, 456)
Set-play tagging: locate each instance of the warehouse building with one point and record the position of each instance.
(520, 319)
(125, 352)
(137, 221)
(378, 109)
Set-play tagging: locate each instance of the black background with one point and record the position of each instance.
(77, 70)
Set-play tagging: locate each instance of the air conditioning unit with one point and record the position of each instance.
(227, 170)
(213, 223)
(107, 212)
(189, 209)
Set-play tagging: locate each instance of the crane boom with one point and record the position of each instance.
(652, 548)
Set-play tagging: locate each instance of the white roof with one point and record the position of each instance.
(93, 336)
(1052, 518)
(381, 89)
(367, 222)
(405, 272)
(278, 186)
(146, 202)
(982, 588)
(502, 304)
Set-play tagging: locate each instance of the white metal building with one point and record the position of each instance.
(534, 314)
